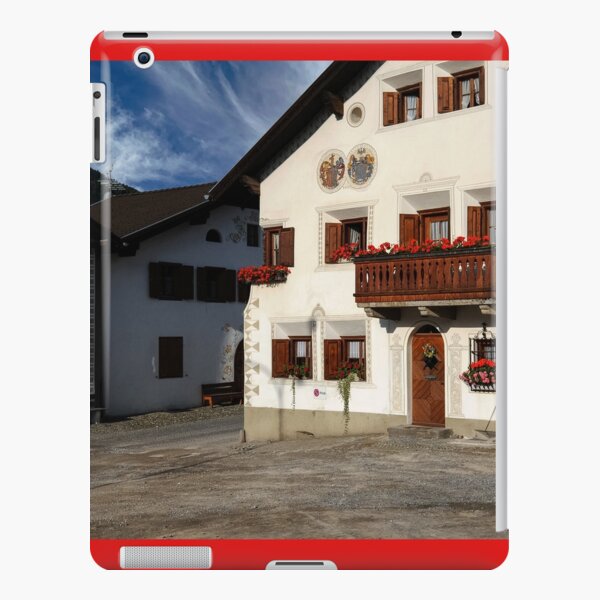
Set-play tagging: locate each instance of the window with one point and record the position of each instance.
(171, 281)
(481, 220)
(296, 350)
(431, 224)
(345, 351)
(243, 291)
(278, 246)
(252, 235)
(483, 346)
(215, 284)
(170, 357)
(464, 89)
(403, 105)
(213, 236)
(350, 231)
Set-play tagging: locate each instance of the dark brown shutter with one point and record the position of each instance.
(226, 286)
(154, 280)
(333, 358)
(390, 108)
(286, 247)
(474, 221)
(333, 239)
(445, 87)
(280, 358)
(201, 283)
(481, 85)
(243, 291)
(266, 257)
(409, 228)
(170, 357)
(184, 282)
(420, 101)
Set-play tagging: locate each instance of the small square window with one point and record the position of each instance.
(252, 235)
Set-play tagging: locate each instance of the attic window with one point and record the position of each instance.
(213, 236)
(356, 114)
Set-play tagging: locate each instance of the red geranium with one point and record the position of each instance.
(263, 275)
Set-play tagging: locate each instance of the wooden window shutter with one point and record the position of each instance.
(201, 283)
(445, 87)
(474, 221)
(155, 287)
(170, 357)
(286, 247)
(420, 101)
(390, 108)
(409, 228)
(280, 358)
(333, 358)
(226, 284)
(481, 85)
(266, 256)
(184, 282)
(333, 239)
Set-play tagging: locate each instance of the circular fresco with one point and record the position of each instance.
(361, 165)
(332, 171)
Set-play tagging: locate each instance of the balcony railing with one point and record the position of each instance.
(467, 274)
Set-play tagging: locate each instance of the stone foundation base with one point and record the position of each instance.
(263, 424)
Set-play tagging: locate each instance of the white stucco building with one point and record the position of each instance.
(373, 153)
(171, 305)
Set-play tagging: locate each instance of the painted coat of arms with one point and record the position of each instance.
(362, 164)
(332, 170)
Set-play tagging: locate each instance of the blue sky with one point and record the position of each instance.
(179, 123)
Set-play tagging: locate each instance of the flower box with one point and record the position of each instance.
(480, 376)
(263, 275)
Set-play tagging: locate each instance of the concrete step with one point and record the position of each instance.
(485, 435)
(416, 431)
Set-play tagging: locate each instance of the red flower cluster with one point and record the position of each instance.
(344, 253)
(349, 251)
(352, 367)
(482, 372)
(264, 275)
(298, 371)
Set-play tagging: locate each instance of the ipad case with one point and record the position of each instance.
(298, 301)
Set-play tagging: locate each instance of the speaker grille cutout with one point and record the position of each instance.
(165, 557)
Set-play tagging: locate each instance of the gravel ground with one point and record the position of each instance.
(162, 419)
(195, 480)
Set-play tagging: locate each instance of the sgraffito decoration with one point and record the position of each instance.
(362, 165)
(332, 171)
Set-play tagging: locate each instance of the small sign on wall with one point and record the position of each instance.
(319, 392)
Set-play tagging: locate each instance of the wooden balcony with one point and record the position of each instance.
(450, 278)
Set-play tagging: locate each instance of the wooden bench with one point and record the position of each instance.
(215, 393)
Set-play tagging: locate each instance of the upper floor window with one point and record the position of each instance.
(252, 234)
(403, 105)
(213, 236)
(278, 246)
(425, 225)
(171, 281)
(481, 220)
(348, 231)
(463, 89)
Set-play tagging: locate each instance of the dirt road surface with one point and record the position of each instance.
(195, 480)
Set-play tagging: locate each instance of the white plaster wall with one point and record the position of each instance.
(210, 330)
(438, 152)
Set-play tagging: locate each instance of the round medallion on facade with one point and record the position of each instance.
(332, 171)
(356, 114)
(361, 165)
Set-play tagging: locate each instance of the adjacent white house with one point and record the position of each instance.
(373, 153)
(168, 310)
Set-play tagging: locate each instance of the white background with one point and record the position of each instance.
(554, 390)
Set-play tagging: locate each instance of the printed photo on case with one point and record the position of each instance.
(293, 300)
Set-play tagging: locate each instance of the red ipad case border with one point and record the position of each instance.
(346, 554)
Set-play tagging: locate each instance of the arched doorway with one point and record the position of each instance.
(428, 378)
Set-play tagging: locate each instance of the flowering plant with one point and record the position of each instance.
(352, 367)
(480, 373)
(348, 251)
(298, 371)
(263, 275)
(345, 252)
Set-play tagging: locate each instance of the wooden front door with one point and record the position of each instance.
(428, 404)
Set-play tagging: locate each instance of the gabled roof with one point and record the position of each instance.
(142, 214)
(315, 102)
